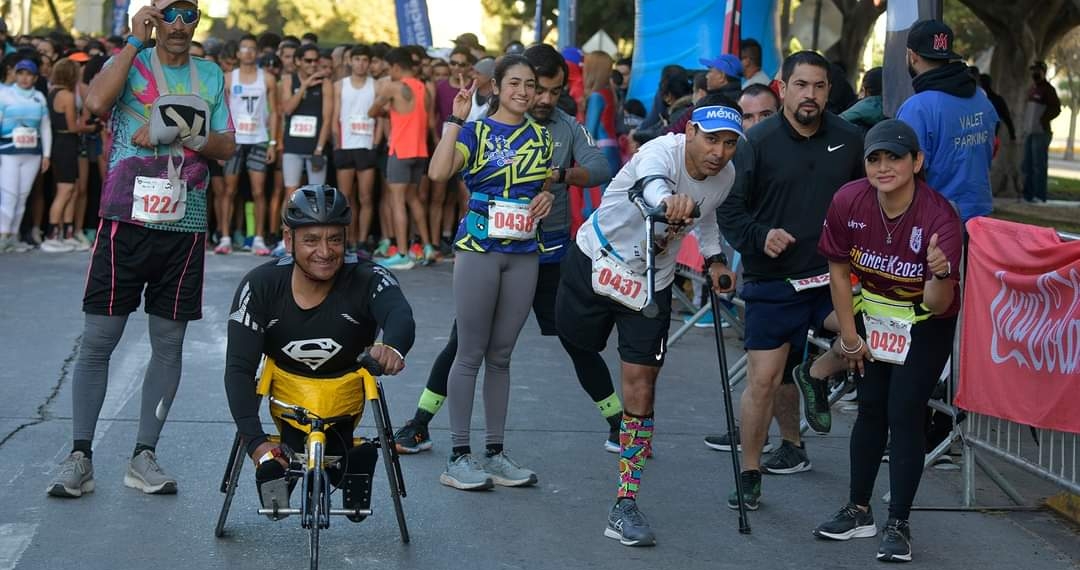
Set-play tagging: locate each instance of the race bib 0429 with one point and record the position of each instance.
(888, 339)
(510, 220)
(303, 126)
(618, 283)
(157, 201)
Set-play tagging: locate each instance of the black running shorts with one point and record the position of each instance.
(585, 319)
(128, 259)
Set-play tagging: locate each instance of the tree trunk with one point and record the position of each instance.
(859, 19)
(1072, 133)
(785, 27)
(1025, 32)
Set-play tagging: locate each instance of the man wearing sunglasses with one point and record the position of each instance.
(169, 120)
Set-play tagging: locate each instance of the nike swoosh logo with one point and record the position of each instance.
(832, 148)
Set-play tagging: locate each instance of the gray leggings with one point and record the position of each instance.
(100, 336)
(492, 293)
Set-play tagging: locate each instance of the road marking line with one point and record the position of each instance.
(14, 539)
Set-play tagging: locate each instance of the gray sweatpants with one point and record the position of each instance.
(492, 294)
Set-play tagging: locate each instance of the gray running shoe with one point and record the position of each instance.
(788, 460)
(627, 525)
(506, 472)
(75, 477)
(466, 473)
(146, 475)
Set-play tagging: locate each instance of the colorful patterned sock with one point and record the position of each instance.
(634, 439)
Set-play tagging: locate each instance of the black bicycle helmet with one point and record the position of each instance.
(316, 205)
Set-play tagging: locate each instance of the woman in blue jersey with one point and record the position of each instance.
(25, 146)
(504, 160)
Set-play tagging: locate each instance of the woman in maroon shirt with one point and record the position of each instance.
(902, 240)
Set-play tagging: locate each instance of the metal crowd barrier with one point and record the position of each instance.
(1048, 454)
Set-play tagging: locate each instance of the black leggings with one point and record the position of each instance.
(892, 400)
(592, 371)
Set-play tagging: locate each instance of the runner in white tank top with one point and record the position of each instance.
(252, 106)
(355, 133)
(248, 105)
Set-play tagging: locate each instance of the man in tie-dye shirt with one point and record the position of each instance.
(169, 119)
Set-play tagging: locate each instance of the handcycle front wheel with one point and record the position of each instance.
(315, 504)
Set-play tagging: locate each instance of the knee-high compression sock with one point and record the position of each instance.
(634, 439)
(595, 378)
(162, 377)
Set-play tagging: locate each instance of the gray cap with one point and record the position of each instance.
(892, 135)
(485, 67)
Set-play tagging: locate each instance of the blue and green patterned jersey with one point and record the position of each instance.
(507, 162)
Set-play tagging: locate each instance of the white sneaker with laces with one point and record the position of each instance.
(53, 245)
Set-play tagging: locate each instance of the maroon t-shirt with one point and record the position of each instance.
(444, 100)
(854, 232)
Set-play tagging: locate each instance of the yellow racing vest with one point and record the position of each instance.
(325, 397)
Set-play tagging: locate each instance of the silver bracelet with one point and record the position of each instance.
(403, 358)
(847, 350)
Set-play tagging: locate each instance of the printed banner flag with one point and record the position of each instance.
(414, 27)
(733, 27)
(120, 17)
(1020, 345)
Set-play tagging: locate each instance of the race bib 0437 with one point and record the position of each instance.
(612, 280)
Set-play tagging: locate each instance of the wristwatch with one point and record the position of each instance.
(456, 120)
(560, 176)
(946, 274)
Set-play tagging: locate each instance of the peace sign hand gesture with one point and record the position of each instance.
(463, 101)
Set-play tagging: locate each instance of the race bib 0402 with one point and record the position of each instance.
(810, 282)
(612, 280)
(157, 201)
(303, 126)
(246, 125)
(361, 125)
(24, 137)
(888, 339)
(510, 220)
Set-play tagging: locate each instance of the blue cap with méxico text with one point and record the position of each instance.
(718, 118)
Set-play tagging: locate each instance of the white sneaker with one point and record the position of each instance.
(258, 247)
(35, 236)
(19, 246)
(76, 244)
(224, 246)
(56, 246)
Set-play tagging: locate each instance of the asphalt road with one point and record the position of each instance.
(553, 428)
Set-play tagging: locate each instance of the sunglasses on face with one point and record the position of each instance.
(459, 63)
(188, 15)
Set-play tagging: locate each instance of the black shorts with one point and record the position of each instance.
(216, 169)
(64, 162)
(127, 258)
(777, 315)
(585, 319)
(354, 159)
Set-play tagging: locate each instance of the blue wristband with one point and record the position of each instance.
(135, 42)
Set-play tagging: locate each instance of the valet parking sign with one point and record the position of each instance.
(1020, 345)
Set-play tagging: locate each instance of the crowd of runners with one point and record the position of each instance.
(519, 165)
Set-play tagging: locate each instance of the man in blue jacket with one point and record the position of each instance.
(954, 120)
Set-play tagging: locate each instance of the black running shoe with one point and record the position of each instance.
(815, 393)
(627, 525)
(787, 460)
(751, 491)
(850, 522)
(412, 438)
(895, 542)
(723, 442)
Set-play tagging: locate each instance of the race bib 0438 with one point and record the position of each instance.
(510, 220)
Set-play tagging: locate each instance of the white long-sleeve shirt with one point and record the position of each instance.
(618, 225)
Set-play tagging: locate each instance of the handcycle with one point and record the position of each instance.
(309, 466)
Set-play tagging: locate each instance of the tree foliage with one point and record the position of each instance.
(972, 35)
(337, 22)
(616, 17)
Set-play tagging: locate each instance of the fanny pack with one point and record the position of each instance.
(177, 120)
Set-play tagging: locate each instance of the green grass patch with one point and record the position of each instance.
(1070, 227)
(1063, 189)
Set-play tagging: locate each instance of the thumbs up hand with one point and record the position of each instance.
(936, 261)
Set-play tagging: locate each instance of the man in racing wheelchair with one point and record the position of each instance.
(312, 314)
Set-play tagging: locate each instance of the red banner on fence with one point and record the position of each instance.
(1020, 345)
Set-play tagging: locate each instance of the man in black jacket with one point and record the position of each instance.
(787, 171)
(1041, 108)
